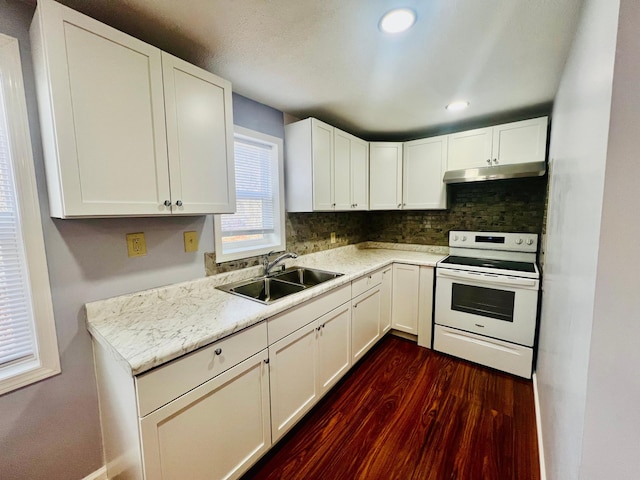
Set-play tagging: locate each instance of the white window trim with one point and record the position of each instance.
(46, 362)
(250, 251)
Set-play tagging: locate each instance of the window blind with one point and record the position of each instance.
(16, 332)
(254, 191)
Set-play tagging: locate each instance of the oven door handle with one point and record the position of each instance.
(488, 278)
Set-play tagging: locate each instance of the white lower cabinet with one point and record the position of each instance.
(293, 370)
(306, 364)
(386, 291)
(406, 284)
(217, 430)
(365, 322)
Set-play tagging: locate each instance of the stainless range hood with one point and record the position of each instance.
(496, 172)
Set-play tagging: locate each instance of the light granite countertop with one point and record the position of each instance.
(146, 329)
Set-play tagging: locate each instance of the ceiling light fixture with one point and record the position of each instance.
(398, 20)
(457, 106)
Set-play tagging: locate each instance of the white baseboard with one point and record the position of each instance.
(100, 474)
(536, 399)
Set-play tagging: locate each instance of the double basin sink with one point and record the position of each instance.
(275, 286)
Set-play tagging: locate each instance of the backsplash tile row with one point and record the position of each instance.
(503, 206)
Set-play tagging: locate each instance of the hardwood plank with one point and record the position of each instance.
(405, 412)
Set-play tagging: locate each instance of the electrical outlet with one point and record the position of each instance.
(333, 237)
(190, 241)
(136, 244)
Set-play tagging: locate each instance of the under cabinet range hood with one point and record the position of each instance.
(496, 172)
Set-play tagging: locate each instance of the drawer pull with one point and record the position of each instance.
(478, 325)
(266, 360)
(218, 351)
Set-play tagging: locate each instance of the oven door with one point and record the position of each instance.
(497, 306)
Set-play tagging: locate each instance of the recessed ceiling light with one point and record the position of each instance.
(398, 20)
(457, 106)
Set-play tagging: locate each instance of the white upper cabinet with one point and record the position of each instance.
(200, 140)
(520, 142)
(102, 112)
(470, 149)
(326, 168)
(511, 143)
(425, 162)
(385, 175)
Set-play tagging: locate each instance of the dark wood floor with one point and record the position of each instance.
(406, 412)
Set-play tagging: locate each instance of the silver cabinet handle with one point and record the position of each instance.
(218, 351)
(399, 205)
(318, 328)
(495, 160)
(179, 203)
(266, 360)
(167, 203)
(489, 161)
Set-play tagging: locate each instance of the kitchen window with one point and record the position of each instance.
(28, 344)
(257, 227)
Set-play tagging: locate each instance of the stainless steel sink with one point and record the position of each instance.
(308, 277)
(276, 286)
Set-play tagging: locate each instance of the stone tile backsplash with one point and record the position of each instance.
(502, 206)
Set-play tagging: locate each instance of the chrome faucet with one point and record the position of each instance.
(268, 266)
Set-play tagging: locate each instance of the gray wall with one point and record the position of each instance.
(587, 359)
(51, 429)
(611, 444)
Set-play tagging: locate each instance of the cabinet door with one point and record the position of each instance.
(520, 142)
(334, 346)
(385, 299)
(365, 322)
(102, 111)
(385, 176)
(322, 145)
(425, 162)
(425, 307)
(342, 170)
(199, 137)
(216, 430)
(359, 174)
(293, 373)
(470, 149)
(406, 280)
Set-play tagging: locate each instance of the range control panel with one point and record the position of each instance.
(514, 242)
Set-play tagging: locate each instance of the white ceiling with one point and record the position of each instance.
(328, 59)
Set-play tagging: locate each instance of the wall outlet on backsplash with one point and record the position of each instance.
(333, 237)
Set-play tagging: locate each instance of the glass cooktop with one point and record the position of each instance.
(489, 263)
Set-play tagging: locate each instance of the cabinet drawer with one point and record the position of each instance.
(365, 283)
(160, 386)
(281, 325)
(508, 357)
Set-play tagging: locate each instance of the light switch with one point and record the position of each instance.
(190, 241)
(136, 244)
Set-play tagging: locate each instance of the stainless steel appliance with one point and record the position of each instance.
(486, 299)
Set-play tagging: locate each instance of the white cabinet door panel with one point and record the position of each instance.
(386, 299)
(470, 149)
(406, 281)
(520, 142)
(293, 373)
(342, 170)
(365, 322)
(385, 176)
(359, 174)
(215, 431)
(200, 138)
(109, 118)
(334, 346)
(425, 162)
(322, 144)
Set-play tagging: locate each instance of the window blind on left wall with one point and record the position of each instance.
(17, 339)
